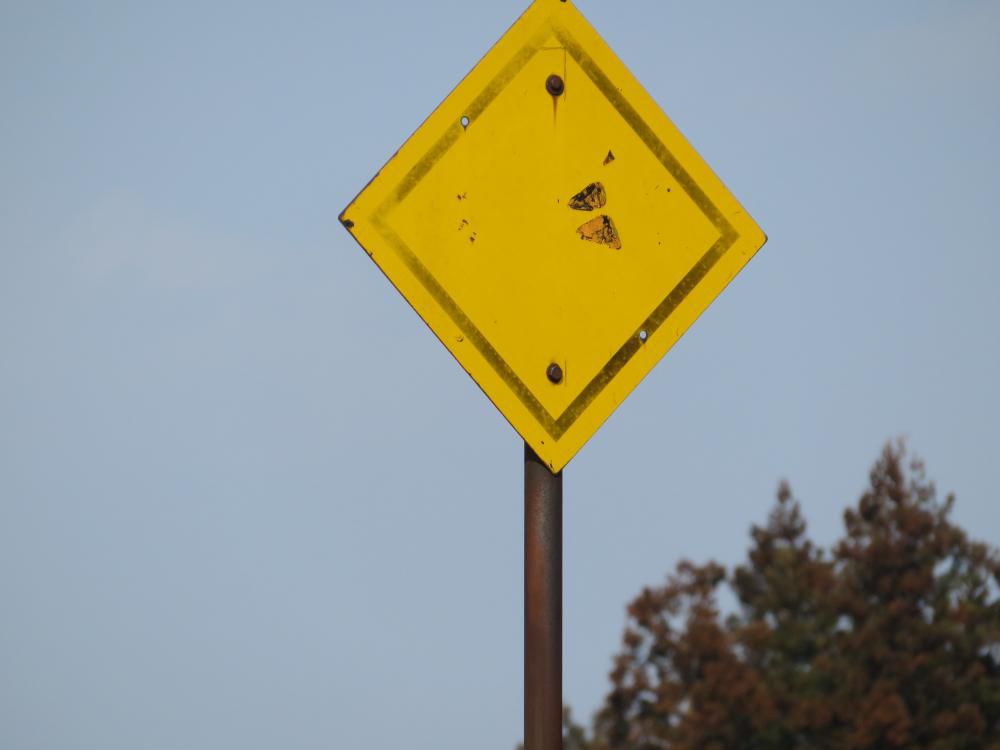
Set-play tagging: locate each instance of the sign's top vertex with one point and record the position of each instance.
(553, 228)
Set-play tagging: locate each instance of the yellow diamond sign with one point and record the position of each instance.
(553, 228)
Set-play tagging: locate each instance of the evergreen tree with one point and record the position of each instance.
(889, 640)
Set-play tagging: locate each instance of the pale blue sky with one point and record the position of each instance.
(248, 501)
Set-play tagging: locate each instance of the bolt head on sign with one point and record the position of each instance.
(553, 228)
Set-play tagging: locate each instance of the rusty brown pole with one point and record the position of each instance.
(542, 605)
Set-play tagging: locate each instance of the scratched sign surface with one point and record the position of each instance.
(553, 228)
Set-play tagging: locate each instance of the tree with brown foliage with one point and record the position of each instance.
(889, 640)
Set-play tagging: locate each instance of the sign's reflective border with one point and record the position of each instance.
(556, 427)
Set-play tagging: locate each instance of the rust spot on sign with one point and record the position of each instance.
(602, 231)
(590, 198)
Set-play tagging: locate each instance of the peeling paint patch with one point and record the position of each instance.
(590, 198)
(602, 231)
(609, 158)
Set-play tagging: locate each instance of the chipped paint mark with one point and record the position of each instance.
(602, 231)
(347, 223)
(463, 225)
(590, 198)
(463, 196)
(609, 158)
(472, 237)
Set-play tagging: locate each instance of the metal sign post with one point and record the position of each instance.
(558, 234)
(542, 604)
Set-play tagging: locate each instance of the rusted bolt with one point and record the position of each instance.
(555, 373)
(554, 85)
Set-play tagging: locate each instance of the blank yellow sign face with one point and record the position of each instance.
(553, 228)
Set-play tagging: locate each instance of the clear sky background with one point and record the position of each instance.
(247, 500)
